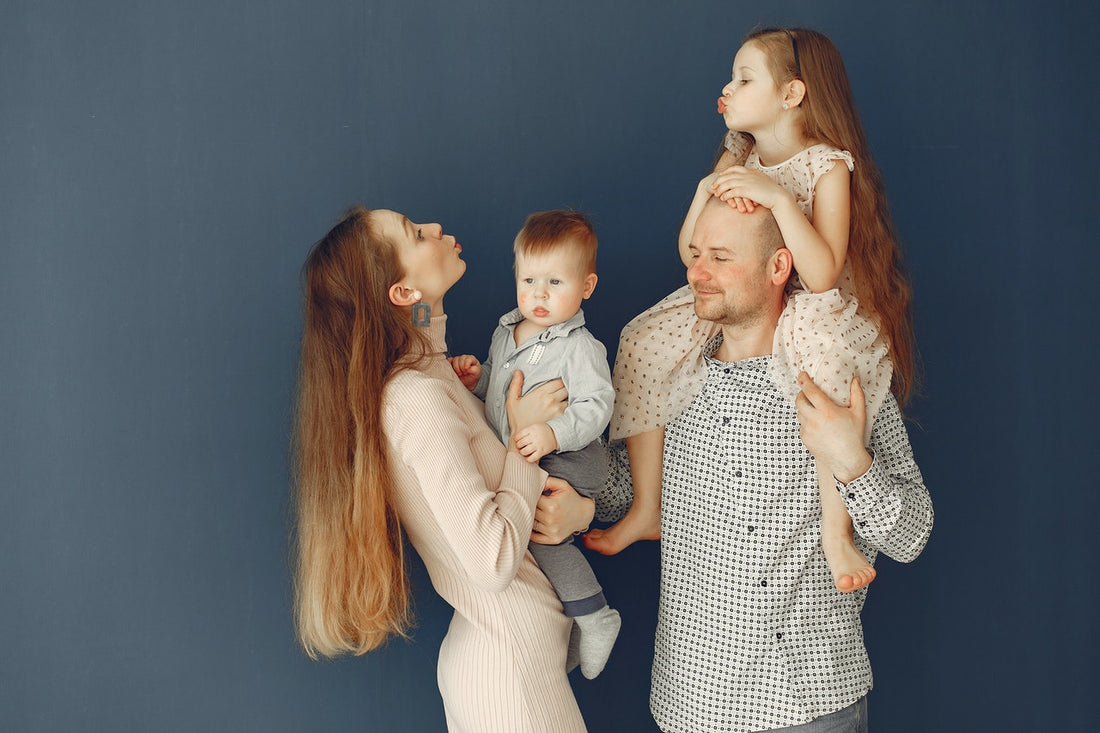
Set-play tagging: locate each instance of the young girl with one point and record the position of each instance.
(796, 147)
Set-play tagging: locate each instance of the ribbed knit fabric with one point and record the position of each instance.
(467, 506)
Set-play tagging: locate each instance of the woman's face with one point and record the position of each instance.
(429, 257)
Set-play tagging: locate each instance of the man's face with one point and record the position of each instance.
(728, 273)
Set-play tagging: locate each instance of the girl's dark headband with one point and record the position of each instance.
(794, 47)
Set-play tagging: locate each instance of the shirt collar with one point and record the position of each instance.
(752, 371)
(512, 317)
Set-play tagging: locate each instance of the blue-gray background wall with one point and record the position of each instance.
(164, 168)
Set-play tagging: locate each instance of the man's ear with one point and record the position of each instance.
(589, 285)
(796, 92)
(782, 263)
(403, 296)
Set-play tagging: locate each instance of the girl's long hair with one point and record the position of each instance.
(351, 588)
(830, 116)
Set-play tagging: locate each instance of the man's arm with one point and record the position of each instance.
(889, 503)
(882, 488)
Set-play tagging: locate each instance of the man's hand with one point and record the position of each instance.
(561, 511)
(535, 441)
(468, 369)
(834, 433)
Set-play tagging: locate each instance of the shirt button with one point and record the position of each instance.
(725, 421)
(507, 364)
(764, 583)
(851, 495)
(779, 636)
(752, 529)
(737, 474)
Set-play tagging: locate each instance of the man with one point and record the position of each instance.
(751, 632)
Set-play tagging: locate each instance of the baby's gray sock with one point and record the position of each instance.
(599, 630)
(573, 654)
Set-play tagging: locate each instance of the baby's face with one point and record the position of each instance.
(551, 286)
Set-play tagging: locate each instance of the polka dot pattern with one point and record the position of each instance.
(659, 368)
(824, 335)
(751, 634)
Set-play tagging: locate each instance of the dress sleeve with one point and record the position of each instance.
(889, 504)
(587, 378)
(485, 520)
(739, 145)
(825, 159)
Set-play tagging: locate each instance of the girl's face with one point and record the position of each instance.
(429, 257)
(752, 100)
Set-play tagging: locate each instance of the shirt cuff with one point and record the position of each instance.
(862, 493)
(567, 439)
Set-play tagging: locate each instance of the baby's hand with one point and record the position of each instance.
(468, 369)
(536, 441)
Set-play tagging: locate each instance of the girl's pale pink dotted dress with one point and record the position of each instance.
(659, 367)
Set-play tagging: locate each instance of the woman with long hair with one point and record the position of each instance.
(389, 441)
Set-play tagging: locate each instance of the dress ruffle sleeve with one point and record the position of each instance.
(739, 144)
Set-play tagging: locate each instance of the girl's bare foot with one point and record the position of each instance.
(636, 525)
(850, 568)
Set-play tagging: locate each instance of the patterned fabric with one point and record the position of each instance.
(658, 368)
(751, 632)
(798, 174)
(824, 335)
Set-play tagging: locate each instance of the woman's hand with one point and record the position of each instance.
(540, 405)
(561, 512)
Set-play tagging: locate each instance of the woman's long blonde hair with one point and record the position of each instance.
(830, 116)
(351, 588)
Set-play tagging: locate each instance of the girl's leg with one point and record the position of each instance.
(643, 519)
(850, 568)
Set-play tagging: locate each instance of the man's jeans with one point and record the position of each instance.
(852, 719)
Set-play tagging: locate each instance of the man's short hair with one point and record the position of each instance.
(768, 235)
(765, 230)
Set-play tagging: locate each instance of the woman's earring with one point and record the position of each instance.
(786, 106)
(421, 314)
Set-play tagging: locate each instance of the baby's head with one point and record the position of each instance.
(555, 266)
